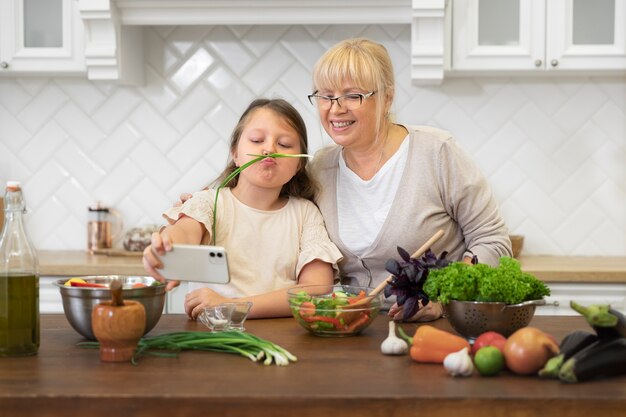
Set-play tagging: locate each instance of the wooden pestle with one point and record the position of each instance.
(116, 293)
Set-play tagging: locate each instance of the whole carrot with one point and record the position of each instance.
(431, 344)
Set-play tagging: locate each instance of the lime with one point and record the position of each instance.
(489, 360)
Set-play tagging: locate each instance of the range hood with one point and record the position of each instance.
(113, 34)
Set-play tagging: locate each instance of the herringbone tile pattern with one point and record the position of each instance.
(553, 148)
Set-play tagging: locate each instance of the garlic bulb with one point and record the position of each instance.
(459, 363)
(393, 345)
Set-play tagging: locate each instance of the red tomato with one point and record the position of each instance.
(307, 308)
(139, 285)
(494, 339)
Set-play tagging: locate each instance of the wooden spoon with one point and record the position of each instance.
(349, 316)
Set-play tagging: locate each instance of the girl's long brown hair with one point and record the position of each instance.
(301, 185)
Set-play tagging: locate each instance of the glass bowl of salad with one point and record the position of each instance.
(327, 310)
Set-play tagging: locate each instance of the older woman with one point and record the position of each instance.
(387, 184)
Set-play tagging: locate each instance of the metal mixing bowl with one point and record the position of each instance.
(79, 301)
(472, 318)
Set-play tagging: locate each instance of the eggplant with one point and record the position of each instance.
(607, 322)
(602, 359)
(570, 345)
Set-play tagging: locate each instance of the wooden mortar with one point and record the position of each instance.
(118, 325)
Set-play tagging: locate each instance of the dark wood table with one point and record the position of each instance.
(333, 377)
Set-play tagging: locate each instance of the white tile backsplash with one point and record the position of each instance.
(43, 106)
(80, 127)
(579, 108)
(539, 127)
(152, 125)
(115, 109)
(233, 55)
(191, 69)
(83, 94)
(12, 134)
(553, 148)
(191, 108)
(13, 97)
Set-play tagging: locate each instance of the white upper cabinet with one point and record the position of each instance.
(41, 37)
(538, 35)
(586, 35)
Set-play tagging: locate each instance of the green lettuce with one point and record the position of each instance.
(505, 283)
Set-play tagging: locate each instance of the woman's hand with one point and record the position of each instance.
(160, 243)
(196, 300)
(431, 312)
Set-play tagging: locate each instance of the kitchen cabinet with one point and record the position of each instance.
(538, 35)
(175, 301)
(41, 37)
(114, 36)
(557, 304)
(49, 295)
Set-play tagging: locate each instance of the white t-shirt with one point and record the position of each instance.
(363, 205)
(266, 249)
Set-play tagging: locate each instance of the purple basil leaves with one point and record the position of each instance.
(409, 276)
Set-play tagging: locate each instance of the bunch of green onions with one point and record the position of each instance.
(245, 344)
(241, 168)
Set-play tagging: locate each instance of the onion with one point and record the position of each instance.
(528, 349)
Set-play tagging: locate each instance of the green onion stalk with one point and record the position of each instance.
(241, 168)
(245, 344)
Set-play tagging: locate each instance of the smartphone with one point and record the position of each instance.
(198, 263)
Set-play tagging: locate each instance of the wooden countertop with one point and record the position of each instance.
(595, 269)
(333, 376)
(71, 263)
(547, 268)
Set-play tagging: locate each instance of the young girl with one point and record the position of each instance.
(275, 236)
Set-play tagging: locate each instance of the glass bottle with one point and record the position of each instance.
(19, 280)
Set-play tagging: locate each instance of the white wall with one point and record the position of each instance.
(554, 149)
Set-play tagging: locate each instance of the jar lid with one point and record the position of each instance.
(98, 207)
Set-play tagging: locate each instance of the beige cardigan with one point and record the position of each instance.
(441, 188)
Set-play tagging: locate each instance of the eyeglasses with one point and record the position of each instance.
(349, 101)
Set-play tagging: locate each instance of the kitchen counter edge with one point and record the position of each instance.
(577, 269)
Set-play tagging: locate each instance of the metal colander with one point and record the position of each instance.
(472, 318)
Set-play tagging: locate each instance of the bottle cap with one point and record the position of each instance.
(13, 185)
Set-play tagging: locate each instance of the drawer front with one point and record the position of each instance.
(584, 294)
(49, 296)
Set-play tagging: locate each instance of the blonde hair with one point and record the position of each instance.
(301, 185)
(367, 64)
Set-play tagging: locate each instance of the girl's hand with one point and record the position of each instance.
(183, 197)
(431, 312)
(160, 243)
(196, 300)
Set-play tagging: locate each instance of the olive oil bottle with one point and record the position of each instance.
(19, 281)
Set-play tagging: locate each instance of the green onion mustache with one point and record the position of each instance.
(237, 171)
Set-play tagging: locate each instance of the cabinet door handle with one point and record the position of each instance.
(4, 65)
(554, 63)
(538, 63)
